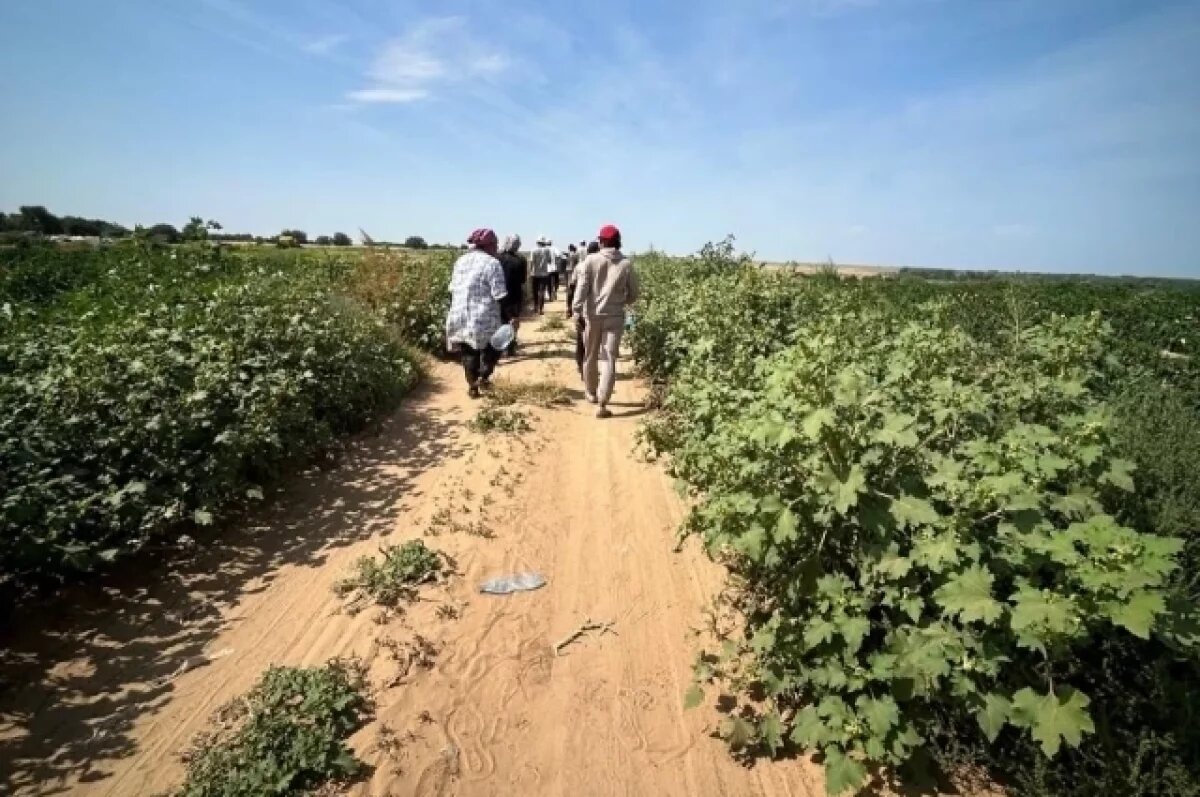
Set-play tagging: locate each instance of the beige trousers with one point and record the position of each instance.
(601, 344)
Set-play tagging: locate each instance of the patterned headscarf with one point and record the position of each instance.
(512, 243)
(483, 238)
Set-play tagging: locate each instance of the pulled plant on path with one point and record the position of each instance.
(553, 323)
(394, 578)
(545, 393)
(496, 419)
(287, 736)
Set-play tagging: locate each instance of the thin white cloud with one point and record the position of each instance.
(382, 94)
(433, 54)
(324, 45)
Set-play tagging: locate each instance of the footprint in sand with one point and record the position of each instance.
(466, 728)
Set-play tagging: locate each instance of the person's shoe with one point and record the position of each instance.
(591, 397)
(485, 385)
(603, 412)
(473, 392)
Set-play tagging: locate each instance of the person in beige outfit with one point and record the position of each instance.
(605, 284)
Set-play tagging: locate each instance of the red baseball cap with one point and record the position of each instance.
(608, 232)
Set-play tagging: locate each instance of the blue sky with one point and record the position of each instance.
(1033, 134)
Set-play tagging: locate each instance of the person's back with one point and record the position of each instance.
(541, 260)
(605, 286)
(515, 271)
(611, 284)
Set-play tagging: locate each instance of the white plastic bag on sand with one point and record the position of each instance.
(518, 582)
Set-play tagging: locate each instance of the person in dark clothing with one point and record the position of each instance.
(516, 270)
(573, 257)
(559, 276)
(592, 249)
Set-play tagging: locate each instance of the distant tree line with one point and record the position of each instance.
(35, 221)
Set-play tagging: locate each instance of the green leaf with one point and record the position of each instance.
(881, 714)
(736, 731)
(844, 493)
(816, 421)
(968, 596)
(202, 517)
(1037, 615)
(993, 714)
(893, 566)
(1077, 504)
(849, 387)
(752, 542)
(853, 630)
(910, 512)
(1137, 613)
(693, 697)
(808, 729)
(898, 431)
(818, 631)
(842, 773)
(1053, 718)
(785, 527)
(1119, 475)
(936, 551)
(770, 730)
(913, 606)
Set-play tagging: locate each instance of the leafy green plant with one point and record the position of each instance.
(410, 292)
(924, 497)
(394, 578)
(934, 532)
(168, 389)
(491, 419)
(287, 736)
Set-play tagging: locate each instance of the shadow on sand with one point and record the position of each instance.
(74, 675)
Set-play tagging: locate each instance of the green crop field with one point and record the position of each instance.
(145, 389)
(962, 518)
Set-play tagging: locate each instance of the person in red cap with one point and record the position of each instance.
(606, 284)
(475, 293)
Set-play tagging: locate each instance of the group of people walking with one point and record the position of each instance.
(488, 291)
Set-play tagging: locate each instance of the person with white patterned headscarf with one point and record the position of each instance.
(476, 290)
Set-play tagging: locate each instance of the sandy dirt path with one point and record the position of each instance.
(471, 698)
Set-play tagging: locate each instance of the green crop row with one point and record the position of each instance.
(145, 391)
(959, 517)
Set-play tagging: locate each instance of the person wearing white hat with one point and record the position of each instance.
(541, 263)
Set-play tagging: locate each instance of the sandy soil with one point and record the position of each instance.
(102, 699)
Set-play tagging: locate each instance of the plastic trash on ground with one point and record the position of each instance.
(503, 337)
(518, 582)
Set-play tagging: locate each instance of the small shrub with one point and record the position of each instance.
(410, 292)
(496, 419)
(286, 737)
(394, 578)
